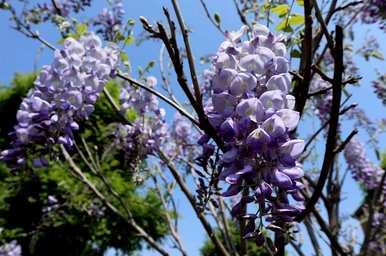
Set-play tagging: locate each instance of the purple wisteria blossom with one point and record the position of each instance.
(252, 111)
(362, 169)
(374, 12)
(377, 244)
(149, 129)
(182, 139)
(64, 95)
(380, 88)
(109, 21)
(323, 102)
(10, 249)
(42, 12)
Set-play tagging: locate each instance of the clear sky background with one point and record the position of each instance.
(21, 54)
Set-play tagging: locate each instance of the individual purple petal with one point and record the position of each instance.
(293, 172)
(272, 99)
(225, 60)
(246, 170)
(229, 130)
(290, 101)
(215, 119)
(257, 138)
(274, 126)
(280, 82)
(289, 117)
(282, 180)
(242, 83)
(232, 190)
(230, 155)
(291, 150)
(251, 108)
(203, 139)
(233, 179)
(224, 103)
(222, 80)
(264, 189)
(253, 63)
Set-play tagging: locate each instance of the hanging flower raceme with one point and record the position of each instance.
(10, 249)
(380, 88)
(64, 95)
(110, 20)
(374, 11)
(363, 170)
(252, 111)
(149, 129)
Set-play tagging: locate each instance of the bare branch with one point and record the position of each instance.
(331, 137)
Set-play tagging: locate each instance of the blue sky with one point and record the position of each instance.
(21, 54)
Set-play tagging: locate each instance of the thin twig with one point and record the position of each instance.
(129, 220)
(159, 95)
(189, 53)
(211, 233)
(217, 25)
(172, 228)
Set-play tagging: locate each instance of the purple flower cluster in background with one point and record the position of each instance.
(68, 6)
(380, 88)
(42, 12)
(377, 244)
(110, 20)
(362, 169)
(10, 249)
(252, 111)
(374, 11)
(182, 142)
(322, 103)
(64, 94)
(149, 129)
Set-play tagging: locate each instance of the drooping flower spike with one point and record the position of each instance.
(251, 109)
(64, 95)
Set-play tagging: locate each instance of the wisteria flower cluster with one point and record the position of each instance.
(323, 103)
(380, 88)
(10, 249)
(64, 95)
(110, 20)
(251, 109)
(149, 129)
(362, 169)
(182, 140)
(377, 244)
(42, 12)
(374, 11)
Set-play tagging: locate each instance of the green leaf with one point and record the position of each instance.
(300, 2)
(284, 26)
(130, 22)
(4, 6)
(81, 28)
(129, 40)
(119, 37)
(124, 56)
(296, 20)
(131, 115)
(281, 9)
(378, 55)
(295, 53)
(217, 18)
(266, 5)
